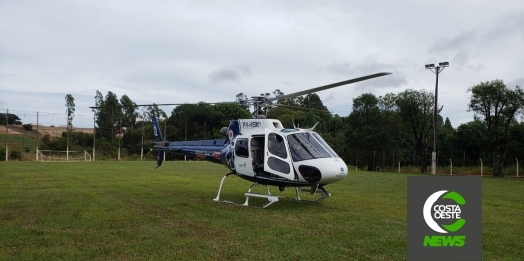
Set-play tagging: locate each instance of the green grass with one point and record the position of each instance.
(130, 211)
(17, 142)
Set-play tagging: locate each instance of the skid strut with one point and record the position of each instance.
(271, 199)
(220, 188)
(314, 189)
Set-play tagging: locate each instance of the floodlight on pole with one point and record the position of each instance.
(436, 70)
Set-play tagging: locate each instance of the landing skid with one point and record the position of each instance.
(323, 193)
(271, 198)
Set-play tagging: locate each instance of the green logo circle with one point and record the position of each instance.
(444, 211)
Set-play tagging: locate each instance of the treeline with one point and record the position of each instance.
(378, 133)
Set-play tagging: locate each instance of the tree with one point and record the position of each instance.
(472, 139)
(498, 105)
(313, 101)
(447, 141)
(154, 110)
(416, 110)
(297, 101)
(13, 119)
(242, 100)
(108, 115)
(364, 131)
(70, 111)
(129, 114)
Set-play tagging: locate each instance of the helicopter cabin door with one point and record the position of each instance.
(277, 159)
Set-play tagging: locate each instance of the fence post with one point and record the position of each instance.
(451, 162)
(356, 162)
(6, 133)
(481, 167)
(399, 167)
(37, 133)
(517, 166)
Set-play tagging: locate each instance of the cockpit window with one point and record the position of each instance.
(276, 145)
(324, 143)
(304, 146)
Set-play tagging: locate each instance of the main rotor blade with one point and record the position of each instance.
(168, 104)
(298, 107)
(329, 86)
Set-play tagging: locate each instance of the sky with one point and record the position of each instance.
(161, 51)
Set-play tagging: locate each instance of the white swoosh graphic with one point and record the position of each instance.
(427, 211)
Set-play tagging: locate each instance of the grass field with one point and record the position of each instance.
(130, 211)
(18, 142)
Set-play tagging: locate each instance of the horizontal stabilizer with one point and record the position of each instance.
(201, 149)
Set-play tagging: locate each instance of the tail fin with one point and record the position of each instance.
(158, 138)
(156, 129)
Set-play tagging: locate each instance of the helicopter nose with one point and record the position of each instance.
(336, 170)
(323, 171)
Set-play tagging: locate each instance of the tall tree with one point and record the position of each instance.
(13, 119)
(416, 110)
(108, 115)
(364, 131)
(242, 100)
(447, 142)
(313, 101)
(472, 139)
(70, 111)
(155, 110)
(498, 105)
(129, 114)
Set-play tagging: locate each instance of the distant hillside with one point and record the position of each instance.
(43, 130)
(57, 131)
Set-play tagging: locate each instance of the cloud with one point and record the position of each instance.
(230, 74)
(370, 66)
(463, 61)
(515, 82)
(454, 43)
(508, 26)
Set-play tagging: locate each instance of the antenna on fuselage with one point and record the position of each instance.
(312, 128)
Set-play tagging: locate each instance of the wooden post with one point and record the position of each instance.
(6, 132)
(517, 166)
(481, 167)
(37, 133)
(451, 162)
(383, 160)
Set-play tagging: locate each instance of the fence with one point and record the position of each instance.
(455, 162)
(23, 141)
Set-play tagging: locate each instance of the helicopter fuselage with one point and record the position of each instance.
(263, 151)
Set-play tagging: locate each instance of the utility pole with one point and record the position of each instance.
(37, 133)
(142, 146)
(6, 132)
(94, 135)
(119, 135)
(436, 70)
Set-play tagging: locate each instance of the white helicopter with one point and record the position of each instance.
(264, 152)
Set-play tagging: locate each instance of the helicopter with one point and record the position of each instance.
(264, 152)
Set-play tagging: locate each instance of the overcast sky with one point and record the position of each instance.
(190, 51)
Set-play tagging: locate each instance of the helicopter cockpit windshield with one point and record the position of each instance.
(305, 146)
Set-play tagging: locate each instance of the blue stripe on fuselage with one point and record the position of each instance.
(203, 149)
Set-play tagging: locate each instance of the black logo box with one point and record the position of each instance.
(419, 189)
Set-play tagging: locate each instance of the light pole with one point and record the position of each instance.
(436, 70)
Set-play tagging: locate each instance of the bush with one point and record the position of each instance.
(15, 155)
(28, 127)
(2, 154)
